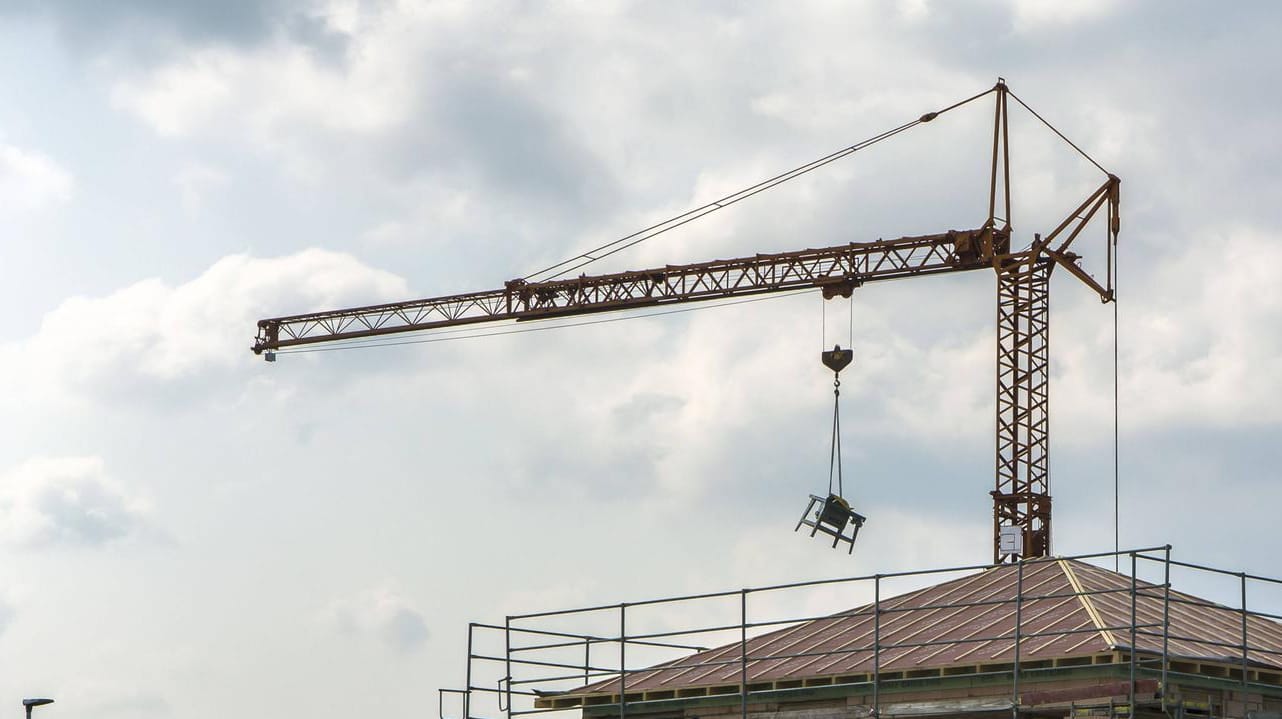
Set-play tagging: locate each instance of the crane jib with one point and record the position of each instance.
(836, 270)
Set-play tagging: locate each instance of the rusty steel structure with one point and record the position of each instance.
(1021, 498)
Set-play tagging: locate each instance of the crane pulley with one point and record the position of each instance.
(1021, 497)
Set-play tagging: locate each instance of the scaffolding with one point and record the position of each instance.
(618, 660)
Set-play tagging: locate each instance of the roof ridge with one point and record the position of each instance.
(1087, 604)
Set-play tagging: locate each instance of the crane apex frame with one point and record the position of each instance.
(1021, 497)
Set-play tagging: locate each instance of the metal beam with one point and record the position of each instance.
(837, 270)
(1022, 495)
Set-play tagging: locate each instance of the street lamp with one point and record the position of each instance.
(28, 703)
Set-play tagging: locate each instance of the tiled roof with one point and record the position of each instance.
(1069, 609)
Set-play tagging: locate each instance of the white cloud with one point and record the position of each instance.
(31, 181)
(67, 501)
(913, 10)
(6, 615)
(270, 91)
(102, 698)
(196, 183)
(153, 340)
(381, 614)
(175, 99)
(669, 411)
(1203, 347)
(1198, 342)
(1035, 15)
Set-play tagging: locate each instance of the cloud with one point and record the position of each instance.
(1204, 347)
(380, 614)
(1195, 341)
(240, 22)
(1033, 16)
(377, 113)
(267, 94)
(31, 181)
(196, 183)
(67, 501)
(6, 615)
(131, 696)
(156, 342)
(110, 700)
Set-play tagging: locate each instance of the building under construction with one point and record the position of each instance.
(1052, 637)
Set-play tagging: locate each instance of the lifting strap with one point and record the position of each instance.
(834, 454)
(836, 360)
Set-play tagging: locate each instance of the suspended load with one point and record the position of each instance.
(834, 517)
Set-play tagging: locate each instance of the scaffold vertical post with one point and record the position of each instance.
(587, 659)
(1131, 688)
(1019, 616)
(467, 676)
(623, 660)
(1166, 623)
(876, 645)
(743, 653)
(1244, 642)
(507, 663)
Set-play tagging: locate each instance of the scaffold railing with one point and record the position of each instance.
(610, 657)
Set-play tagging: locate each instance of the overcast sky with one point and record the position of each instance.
(188, 531)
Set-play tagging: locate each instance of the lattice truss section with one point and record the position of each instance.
(1022, 497)
(837, 269)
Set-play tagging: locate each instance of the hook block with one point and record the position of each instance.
(837, 359)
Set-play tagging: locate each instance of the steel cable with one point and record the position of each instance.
(597, 253)
(834, 453)
(1117, 481)
(1053, 129)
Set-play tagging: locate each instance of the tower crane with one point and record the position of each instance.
(1021, 497)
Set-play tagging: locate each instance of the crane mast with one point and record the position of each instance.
(1021, 497)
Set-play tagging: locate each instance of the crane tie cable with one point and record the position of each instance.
(586, 258)
(1053, 129)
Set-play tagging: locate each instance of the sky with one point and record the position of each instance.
(188, 531)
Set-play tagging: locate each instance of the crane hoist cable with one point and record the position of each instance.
(834, 517)
(837, 360)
